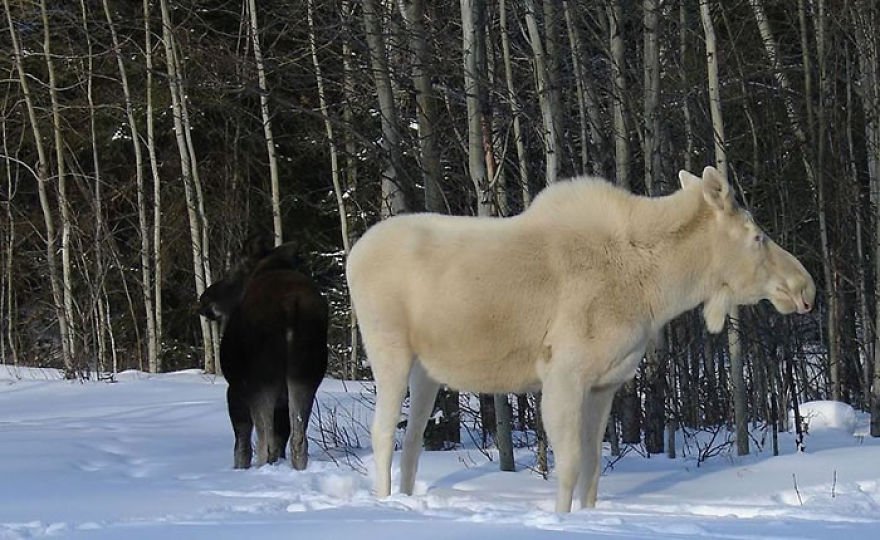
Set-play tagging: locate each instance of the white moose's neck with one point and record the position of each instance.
(679, 228)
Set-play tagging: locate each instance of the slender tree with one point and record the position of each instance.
(267, 121)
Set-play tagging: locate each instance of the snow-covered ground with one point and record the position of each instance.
(150, 457)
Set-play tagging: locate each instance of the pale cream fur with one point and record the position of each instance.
(563, 297)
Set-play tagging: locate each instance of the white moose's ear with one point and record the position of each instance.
(687, 179)
(716, 190)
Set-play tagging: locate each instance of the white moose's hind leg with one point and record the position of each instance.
(422, 394)
(562, 406)
(597, 406)
(391, 367)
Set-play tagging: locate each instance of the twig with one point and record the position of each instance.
(834, 484)
(794, 479)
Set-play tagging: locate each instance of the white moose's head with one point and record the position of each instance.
(747, 265)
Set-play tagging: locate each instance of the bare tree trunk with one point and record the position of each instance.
(550, 130)
(267, 122)
(186, 171)
(816, 180)
(552, 56)
(867, 28)
(686, 111)
(627, 404)
(146, 274)
(351, 163)
(7, 292)
(41, 175)
(740, 411)
(447, 431)
(513, 103)
(413, 12)
(67, 291)
(655, 413)
(473, 47)
(99, 289)
(335, 172)
(393, 196)
(863, 330)
(157, 193)
(589, 116)
(618, 78)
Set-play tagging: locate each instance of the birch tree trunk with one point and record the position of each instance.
(550, 131)
(473, 45)
(146, 274)
(655, 412)
(97, 284)
(67, 289)
(685, 109)
(186, 171)
(413, 12)
(335, 172)
(627, 404)
(513, 103)
(863, 330)
(831, 284)
(815, 181)
(393, 196)
(867, 28)
(737, 378)
(593, 147)
(157, 193)
(618, 79)
(7, 292)
(351, 163)
(267, 121)
(552, 58)
(41, 175)
(447, 430)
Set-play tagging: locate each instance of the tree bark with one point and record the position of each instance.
(41, 175)
(867, 28)
(7, 291)
(814, 177)
(267, 122)
(550, 131)
(473, 47)
(66, 228)
(186, 171)
(144, 229)
(157, 192)
(513, 103)
(593, 144)
(655, 413)
(737, 378)
(618, 80)
(393, 195)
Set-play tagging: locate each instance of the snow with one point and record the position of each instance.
(150, 457)
(825, 415)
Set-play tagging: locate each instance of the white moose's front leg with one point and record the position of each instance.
(562, 406)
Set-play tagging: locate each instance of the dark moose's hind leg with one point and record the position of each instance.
(281, 420)
(242, 425)
(301, 396)
(263, 405)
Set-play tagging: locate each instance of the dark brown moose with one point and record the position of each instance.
(273, 351)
